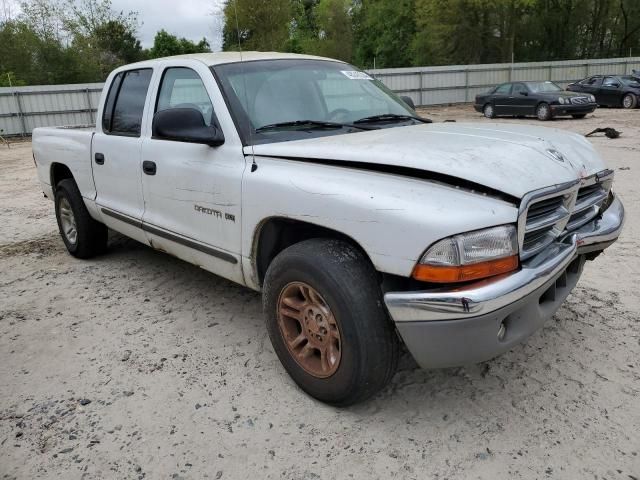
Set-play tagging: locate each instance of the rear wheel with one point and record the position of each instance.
(629, 101)
(83, 236)
(579, 115)
(489, 111)
(543, 112)
(324, 314)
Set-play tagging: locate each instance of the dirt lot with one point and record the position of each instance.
(137, 365)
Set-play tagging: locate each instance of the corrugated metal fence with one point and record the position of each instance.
(24, 108)
(461, 83)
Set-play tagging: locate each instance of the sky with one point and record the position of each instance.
(192, 19)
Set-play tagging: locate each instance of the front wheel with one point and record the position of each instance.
(489, 111)
(83, 236)
(629, 101)
(324, 314)
(543, 112)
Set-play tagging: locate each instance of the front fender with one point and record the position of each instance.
(393, 218)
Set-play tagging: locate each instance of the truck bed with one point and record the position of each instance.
(70, 146)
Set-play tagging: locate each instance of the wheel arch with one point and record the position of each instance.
(276, 233)
(58, 172)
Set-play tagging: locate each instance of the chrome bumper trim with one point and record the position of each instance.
(492, 294)
(603, 230)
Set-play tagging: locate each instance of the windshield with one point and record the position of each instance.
(542, 87)
(280, 100)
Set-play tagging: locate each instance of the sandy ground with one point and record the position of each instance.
(137, 365)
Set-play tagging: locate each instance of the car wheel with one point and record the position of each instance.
(83, 236)
(324, 314)
(488, 111)
(629, 101)
(579, 115)
(543, 111)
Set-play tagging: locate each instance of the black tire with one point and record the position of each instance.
(629, 101)
(579, 115)
(489, 111)
(91, 236)
(543, 111)
(348, 283)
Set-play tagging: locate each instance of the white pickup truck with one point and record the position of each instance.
(363, 225)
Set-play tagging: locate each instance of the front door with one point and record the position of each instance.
(116, 152)
(192, 196)
(521, 101)
(501, 99)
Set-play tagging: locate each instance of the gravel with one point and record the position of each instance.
(566, 404)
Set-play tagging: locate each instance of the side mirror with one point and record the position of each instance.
(525, 94)
(408, 101)
(185, 125)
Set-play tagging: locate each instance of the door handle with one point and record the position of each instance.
(99, 158)
(149, 167)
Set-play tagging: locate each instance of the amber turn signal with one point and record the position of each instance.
(464, 273)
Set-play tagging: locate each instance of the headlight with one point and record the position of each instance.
(592, 98)
(470, 256)
(561, 100)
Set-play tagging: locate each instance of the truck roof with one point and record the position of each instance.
(235, 57)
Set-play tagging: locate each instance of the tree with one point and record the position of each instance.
(74, 40)
(335, 29)
(257, 24)
(384, 30)
(165, 45)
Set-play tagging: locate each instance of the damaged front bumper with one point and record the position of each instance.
(473, 323)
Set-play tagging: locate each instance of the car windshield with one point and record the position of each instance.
(542, 87)
(280, 100)
(629, 80)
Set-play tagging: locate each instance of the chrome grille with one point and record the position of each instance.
(579, 100)
(547, 214)
(588, 203)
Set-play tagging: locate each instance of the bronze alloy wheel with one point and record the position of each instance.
(309, 329)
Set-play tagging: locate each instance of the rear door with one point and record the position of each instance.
(611, 92)
(116, 151)
(592, 85)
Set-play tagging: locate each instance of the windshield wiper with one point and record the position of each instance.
(312, 124)
(390, 117)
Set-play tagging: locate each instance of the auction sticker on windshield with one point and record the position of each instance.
(355, 75)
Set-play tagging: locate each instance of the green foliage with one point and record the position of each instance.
(400, 33)
(384, 31)
(8, 79)
(262, 24)
(165, 45)
(68, 41)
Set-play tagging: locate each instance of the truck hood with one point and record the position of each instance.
(513, 159)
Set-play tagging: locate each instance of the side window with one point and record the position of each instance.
(181, 87)
(503, 89)
(125, 103)
(107, 114)
(610, 82)
(519, 87)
